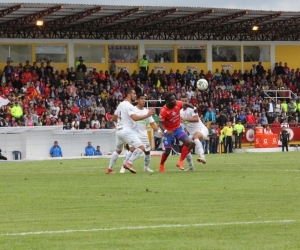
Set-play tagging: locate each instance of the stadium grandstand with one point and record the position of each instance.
(68, 65)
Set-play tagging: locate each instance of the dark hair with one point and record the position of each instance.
(139, 95)
(128, 91)
(183, 96)
(168, 96)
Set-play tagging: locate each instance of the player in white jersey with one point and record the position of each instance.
(141, 130)
(126, 117)
(197, 130)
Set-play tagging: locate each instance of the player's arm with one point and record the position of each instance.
(154, 126)
(195, 118)
(163, 128)
(114, 118)
(136, 117)
(162, 125)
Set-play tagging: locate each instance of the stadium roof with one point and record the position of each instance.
(80, 21)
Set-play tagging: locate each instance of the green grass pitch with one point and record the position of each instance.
(236, 201)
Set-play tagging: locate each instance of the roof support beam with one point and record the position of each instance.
(63, 22)
(175, 23)
(240, 26)
(15, 25)
(207, 25)
(96, 24)
(141, 22)
(60, 23)
(9, 10)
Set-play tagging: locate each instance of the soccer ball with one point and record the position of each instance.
(202, 84)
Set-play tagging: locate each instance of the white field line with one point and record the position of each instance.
(149, 227)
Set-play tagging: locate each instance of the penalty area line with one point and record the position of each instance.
(149, 227)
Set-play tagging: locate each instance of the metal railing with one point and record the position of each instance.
(279, 94)
(157, 107)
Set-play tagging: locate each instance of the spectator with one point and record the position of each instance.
(89, 150)
(98, 152)
(113, 67)
(210, 117)
(2, 157)
(267, 130)
(110, 124)
(284, 138)
(17, 111)
(2, 122)
(213, 138)
(96, 122)
(78, 61)
(56, 151)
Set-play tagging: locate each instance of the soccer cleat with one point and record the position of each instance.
(161, 168)
(122, 170)
(180, 165)
(109, 171)
(201, 160)
(149, 170)
(190, 169)
(128, 166)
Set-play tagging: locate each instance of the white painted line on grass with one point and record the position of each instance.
(149, 227)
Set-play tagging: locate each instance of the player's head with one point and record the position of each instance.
(130, 93)
(141, 99)
(184, 98)
(170, 100)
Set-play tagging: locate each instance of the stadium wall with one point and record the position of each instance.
(274, 51)
(35, 142)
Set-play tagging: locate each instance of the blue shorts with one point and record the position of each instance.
(179, 134)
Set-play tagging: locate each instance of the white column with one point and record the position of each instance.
(209, 56)
(272, 56)
(141, 50)
(71, 54)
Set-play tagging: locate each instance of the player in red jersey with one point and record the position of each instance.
(169, 122)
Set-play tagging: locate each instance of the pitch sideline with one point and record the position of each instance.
(149, 227)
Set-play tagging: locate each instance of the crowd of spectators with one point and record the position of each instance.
(77, 99)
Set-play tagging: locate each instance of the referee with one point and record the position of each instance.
(227, 131)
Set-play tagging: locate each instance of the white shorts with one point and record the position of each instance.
(202, 130)
(127, 136)
(146, 143)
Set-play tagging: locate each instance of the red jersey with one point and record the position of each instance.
(171, 117)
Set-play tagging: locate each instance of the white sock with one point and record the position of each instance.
(199, 148)
(189, 160)
(113, 159)
(136, 153)
(147, 159)
(127, 157)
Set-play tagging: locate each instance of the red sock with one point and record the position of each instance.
(184, 152)
(164, 157)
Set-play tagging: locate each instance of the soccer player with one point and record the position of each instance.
(141, 130)
(169, 122)
(197, 130)
(126, 116)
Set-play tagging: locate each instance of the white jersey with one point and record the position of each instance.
(141, 125)
(191, 126)
(124, 111)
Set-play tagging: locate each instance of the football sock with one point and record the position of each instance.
(199, 148)
(164, 157)
(184, 152)
(136, 153)
(147, 160)
(127, 156)
(113, 159)
(189, 160)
